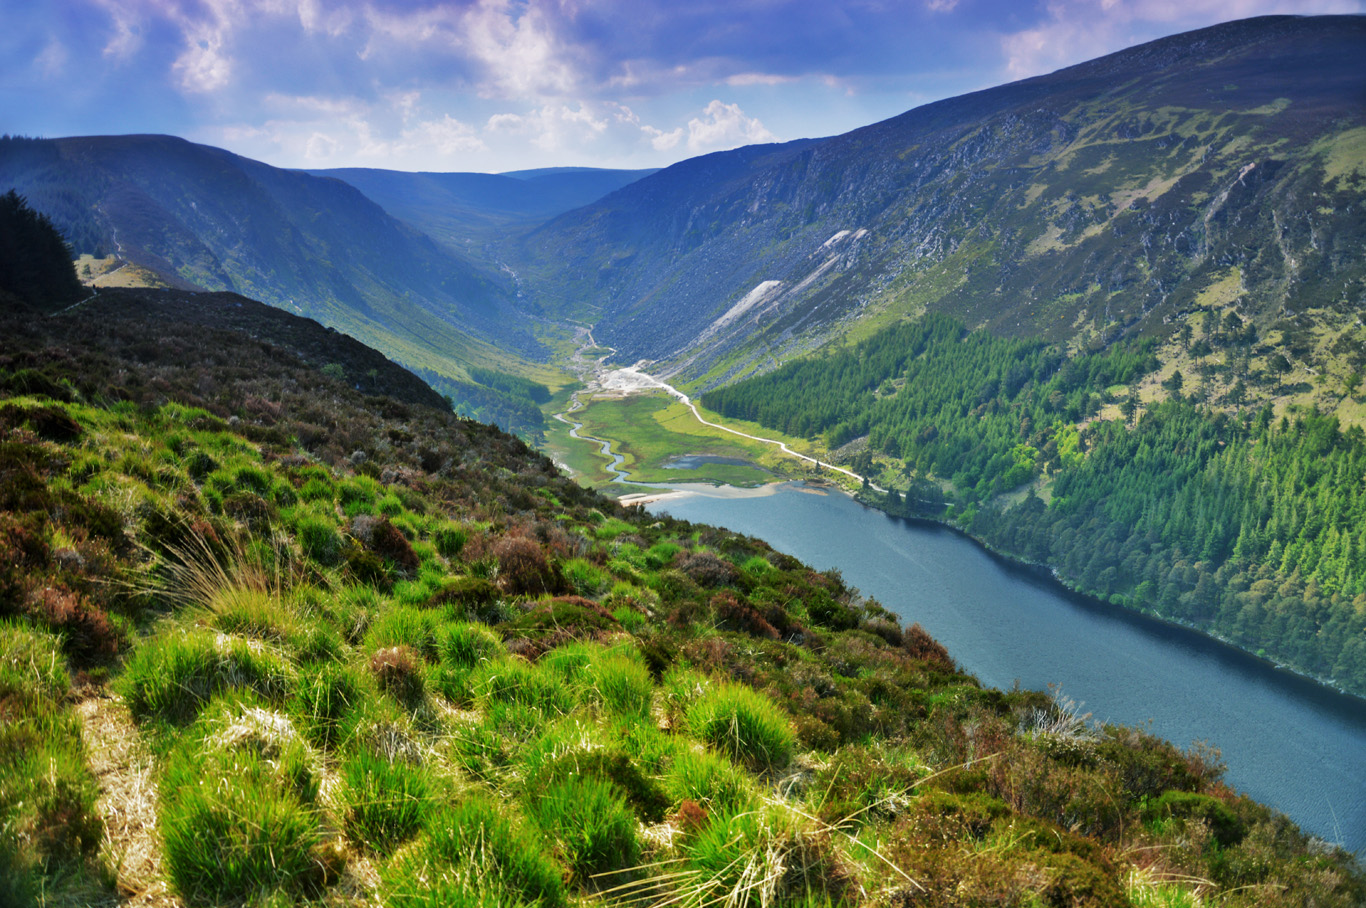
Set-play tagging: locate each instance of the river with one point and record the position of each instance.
(1288, 742)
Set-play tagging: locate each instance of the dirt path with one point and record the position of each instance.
(128, 798)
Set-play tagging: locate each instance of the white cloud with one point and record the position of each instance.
(742, 80)
(941, 6)
(555, 127)
(723, 126)
(445, 136)
(52, 61)
(319, 148)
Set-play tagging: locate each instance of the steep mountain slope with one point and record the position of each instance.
(1102, 200)
(465, 209)
(205, 218)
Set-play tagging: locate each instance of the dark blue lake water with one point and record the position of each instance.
(1288, 742)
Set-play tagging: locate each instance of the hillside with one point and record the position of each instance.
(283, 640)
(1216, 171)
(203, 218)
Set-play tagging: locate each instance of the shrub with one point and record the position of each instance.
(383, 800)
(707, 570)
(593, 829)
(555, 621)
(523, 568)
(470, 597)
(1223, 823)
(398, 671)
(387, 541)
(743, 724)
(472, 855)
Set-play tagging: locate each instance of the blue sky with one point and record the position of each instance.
(496, 85)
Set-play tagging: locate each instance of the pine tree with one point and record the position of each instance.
(35, 262)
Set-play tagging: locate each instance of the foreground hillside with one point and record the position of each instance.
(271, 639)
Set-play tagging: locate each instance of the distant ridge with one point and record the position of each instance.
(1096, 202)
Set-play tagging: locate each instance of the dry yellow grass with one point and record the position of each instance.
(128, 801)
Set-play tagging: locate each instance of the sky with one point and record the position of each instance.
(502, 85)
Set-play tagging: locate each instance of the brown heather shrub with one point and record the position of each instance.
(384, 539)
(553, 622)
(691, 817)
(50, 422)
(734, 615)
(885, 628)
(523, 567)
(708, 571)
(398, 671)
(87, 634)
(920, 645)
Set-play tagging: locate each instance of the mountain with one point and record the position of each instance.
(471, 209)
(203, 218)
(1223, 169)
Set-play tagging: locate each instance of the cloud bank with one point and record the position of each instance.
(510, 84)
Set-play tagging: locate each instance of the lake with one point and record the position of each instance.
(1288, 742)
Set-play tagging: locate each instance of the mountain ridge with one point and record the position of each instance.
(967, 206)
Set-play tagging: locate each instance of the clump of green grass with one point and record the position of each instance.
(584, 577)
(173, 675)
(449, 538)
(326, 699)
(519, 683)
(383, 799)
(711, 780)
(463, 647)
(320, 540)
(463, 644)
(623, 686)
(760, 858)
(405, 625)
(593, 828)
(238, 815)
(50, 829)
(744, 724)
(473, 854)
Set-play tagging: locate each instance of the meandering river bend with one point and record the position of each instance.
(1288, 742)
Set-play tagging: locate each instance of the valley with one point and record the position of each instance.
(565, 536)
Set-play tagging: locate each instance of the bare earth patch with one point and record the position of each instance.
(128, 798)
